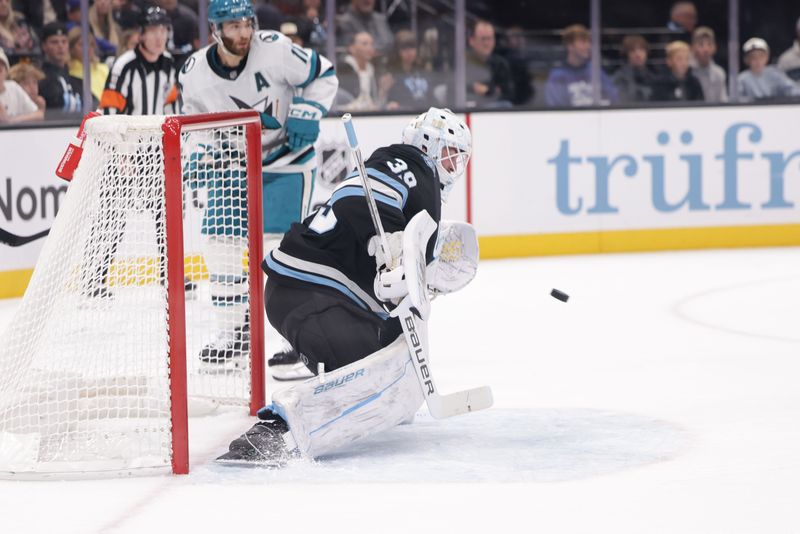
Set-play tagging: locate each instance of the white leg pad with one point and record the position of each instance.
(373, 394)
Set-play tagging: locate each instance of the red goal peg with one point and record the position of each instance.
(72, 156)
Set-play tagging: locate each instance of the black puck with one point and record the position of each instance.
(560, 295)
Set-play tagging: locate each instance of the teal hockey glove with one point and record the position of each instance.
(302, 125)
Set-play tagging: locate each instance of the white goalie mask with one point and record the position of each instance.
(446, 139)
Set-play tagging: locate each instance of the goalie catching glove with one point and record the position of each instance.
(302, 125)
(457, 256)
(456, 263)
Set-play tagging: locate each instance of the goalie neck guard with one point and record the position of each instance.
(446, 139)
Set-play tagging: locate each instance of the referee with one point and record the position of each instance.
(142, 80)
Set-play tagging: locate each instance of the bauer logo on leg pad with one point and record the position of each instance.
(338, 382)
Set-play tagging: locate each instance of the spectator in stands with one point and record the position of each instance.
(184, 27)
(16, 36)
(678, 84)
(712, 77)
(411, 89)
(41, 12)
(288, 7)
(28, 77)
(682, 20)
(312, 17)
(15, 104)
(358, 81)
(61, 92)
(129, 40)
(299, 30)
(98, 71)
(269, 17)
(126, 15)
(73, 14)
(290, 30)
(789, 62)
(634, 79)
(430, 56)
(105, 29)
(360, 16)
(516, 54)
(488, 76)
(762, 81)
(571, 84)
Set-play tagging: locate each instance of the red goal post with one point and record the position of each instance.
(173, 127)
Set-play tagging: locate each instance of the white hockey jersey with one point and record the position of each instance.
(273, 73)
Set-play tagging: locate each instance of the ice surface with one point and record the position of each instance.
(663, 397)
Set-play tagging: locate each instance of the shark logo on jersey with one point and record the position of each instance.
(267, 111)
(263, 103)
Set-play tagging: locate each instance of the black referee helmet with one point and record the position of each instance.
(154, 16)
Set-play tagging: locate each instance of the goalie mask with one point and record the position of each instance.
(446, 139)
(221, 11)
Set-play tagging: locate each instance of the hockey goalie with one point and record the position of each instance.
(334, 294)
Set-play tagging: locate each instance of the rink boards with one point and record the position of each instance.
(539, 182)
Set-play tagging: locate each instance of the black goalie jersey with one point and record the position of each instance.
(329, 248)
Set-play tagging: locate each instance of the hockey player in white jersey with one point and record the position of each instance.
(292, 88)
(331, 294)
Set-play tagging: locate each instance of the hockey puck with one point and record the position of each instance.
(560, 295)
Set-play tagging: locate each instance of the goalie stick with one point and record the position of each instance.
(409, 310)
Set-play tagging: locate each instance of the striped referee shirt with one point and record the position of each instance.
(136, 86)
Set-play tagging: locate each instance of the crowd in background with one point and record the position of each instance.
(384, 66)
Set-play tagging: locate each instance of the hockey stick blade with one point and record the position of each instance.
(460, 402)
(440, 406)
(14, 240)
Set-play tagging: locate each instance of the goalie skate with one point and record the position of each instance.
(288, 356)
(261, 446)
(286, 373)
(288, 365)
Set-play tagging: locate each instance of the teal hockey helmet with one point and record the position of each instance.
(220, 11)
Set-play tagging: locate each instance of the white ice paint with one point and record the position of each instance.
(662, 398)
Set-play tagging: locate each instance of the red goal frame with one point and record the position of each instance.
(172, 127)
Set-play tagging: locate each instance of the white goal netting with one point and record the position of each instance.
(87, 366)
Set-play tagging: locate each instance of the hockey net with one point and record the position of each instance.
(146, 302)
